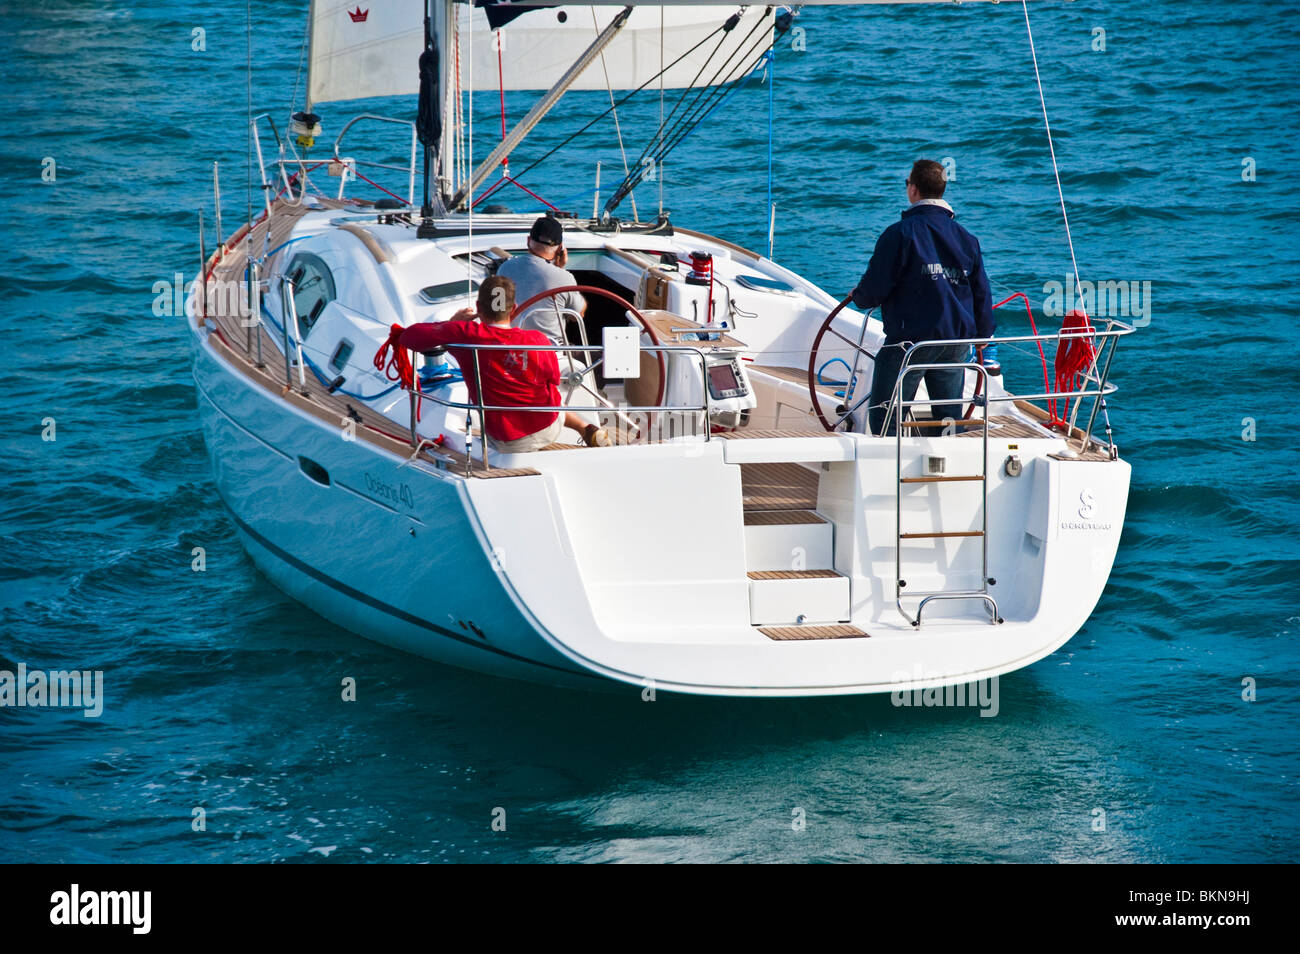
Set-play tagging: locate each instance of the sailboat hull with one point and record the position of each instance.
(488, 575)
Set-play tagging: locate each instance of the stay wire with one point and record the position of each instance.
(696, 112)
(536, 162)
(618, 129)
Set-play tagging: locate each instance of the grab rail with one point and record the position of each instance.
(1114, 330)
(409, 169)
(287, 156)
(280, 162)
(481, 407)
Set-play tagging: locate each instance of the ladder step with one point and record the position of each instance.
(931, 480)
(960, 533)
(953, 593)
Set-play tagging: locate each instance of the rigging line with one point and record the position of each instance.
(459, 112)
(729, 91)
(726, 29)
(689, 123)
(1048, 126)
(469, 248)
(661, 103)
(501, 80)
(248, 132)
(695, 113)
(739, 75)
(302, 52)
(1074, 262)
(713, 85)
(605, 113)
(768, 213)
(612, 105)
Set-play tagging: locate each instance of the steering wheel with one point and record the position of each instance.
(618, 300)
(812, 362)
(812, 368)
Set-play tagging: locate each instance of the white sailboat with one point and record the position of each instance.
(746, 535)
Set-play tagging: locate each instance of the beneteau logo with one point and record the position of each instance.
(1087, 504)
(358, 15)
(75, 907)
(73, 689)
(1087, 510)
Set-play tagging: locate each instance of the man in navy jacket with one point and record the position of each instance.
(927, 276)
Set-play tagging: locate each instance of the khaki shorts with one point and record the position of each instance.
(530, 442)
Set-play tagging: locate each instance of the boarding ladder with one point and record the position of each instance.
(896, 410)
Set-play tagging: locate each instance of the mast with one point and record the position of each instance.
(447, 41)
(429, 119)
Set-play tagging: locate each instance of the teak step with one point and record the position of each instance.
(960, 533)
(782, 539)
(792, 574)
(789, 597)
(812, 632)
(770, 518)
(934, 480)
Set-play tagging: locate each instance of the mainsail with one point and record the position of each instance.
(364, 49)
(360, 51)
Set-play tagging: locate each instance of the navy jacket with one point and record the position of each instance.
(927, 276)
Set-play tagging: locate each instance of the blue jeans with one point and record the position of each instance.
(941, 384)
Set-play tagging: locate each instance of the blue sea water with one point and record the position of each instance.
(222, 693)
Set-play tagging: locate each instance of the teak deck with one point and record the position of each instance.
(235, 342)
(841, 631)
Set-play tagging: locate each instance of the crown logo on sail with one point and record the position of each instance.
(358, 15)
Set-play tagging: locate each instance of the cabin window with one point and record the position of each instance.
(339, 361)
(433, 294)
(313, 289)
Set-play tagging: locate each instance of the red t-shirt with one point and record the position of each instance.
(524, 378)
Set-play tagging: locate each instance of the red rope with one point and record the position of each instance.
(1051, 402)
(395, 362)
(1074, 355)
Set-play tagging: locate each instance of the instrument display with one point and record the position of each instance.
(724, 381)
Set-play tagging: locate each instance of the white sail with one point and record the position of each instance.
(538, 46)
(359, 51)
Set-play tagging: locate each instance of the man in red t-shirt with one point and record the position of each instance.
(510, 378)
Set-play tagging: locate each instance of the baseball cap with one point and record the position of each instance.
(547, 231)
